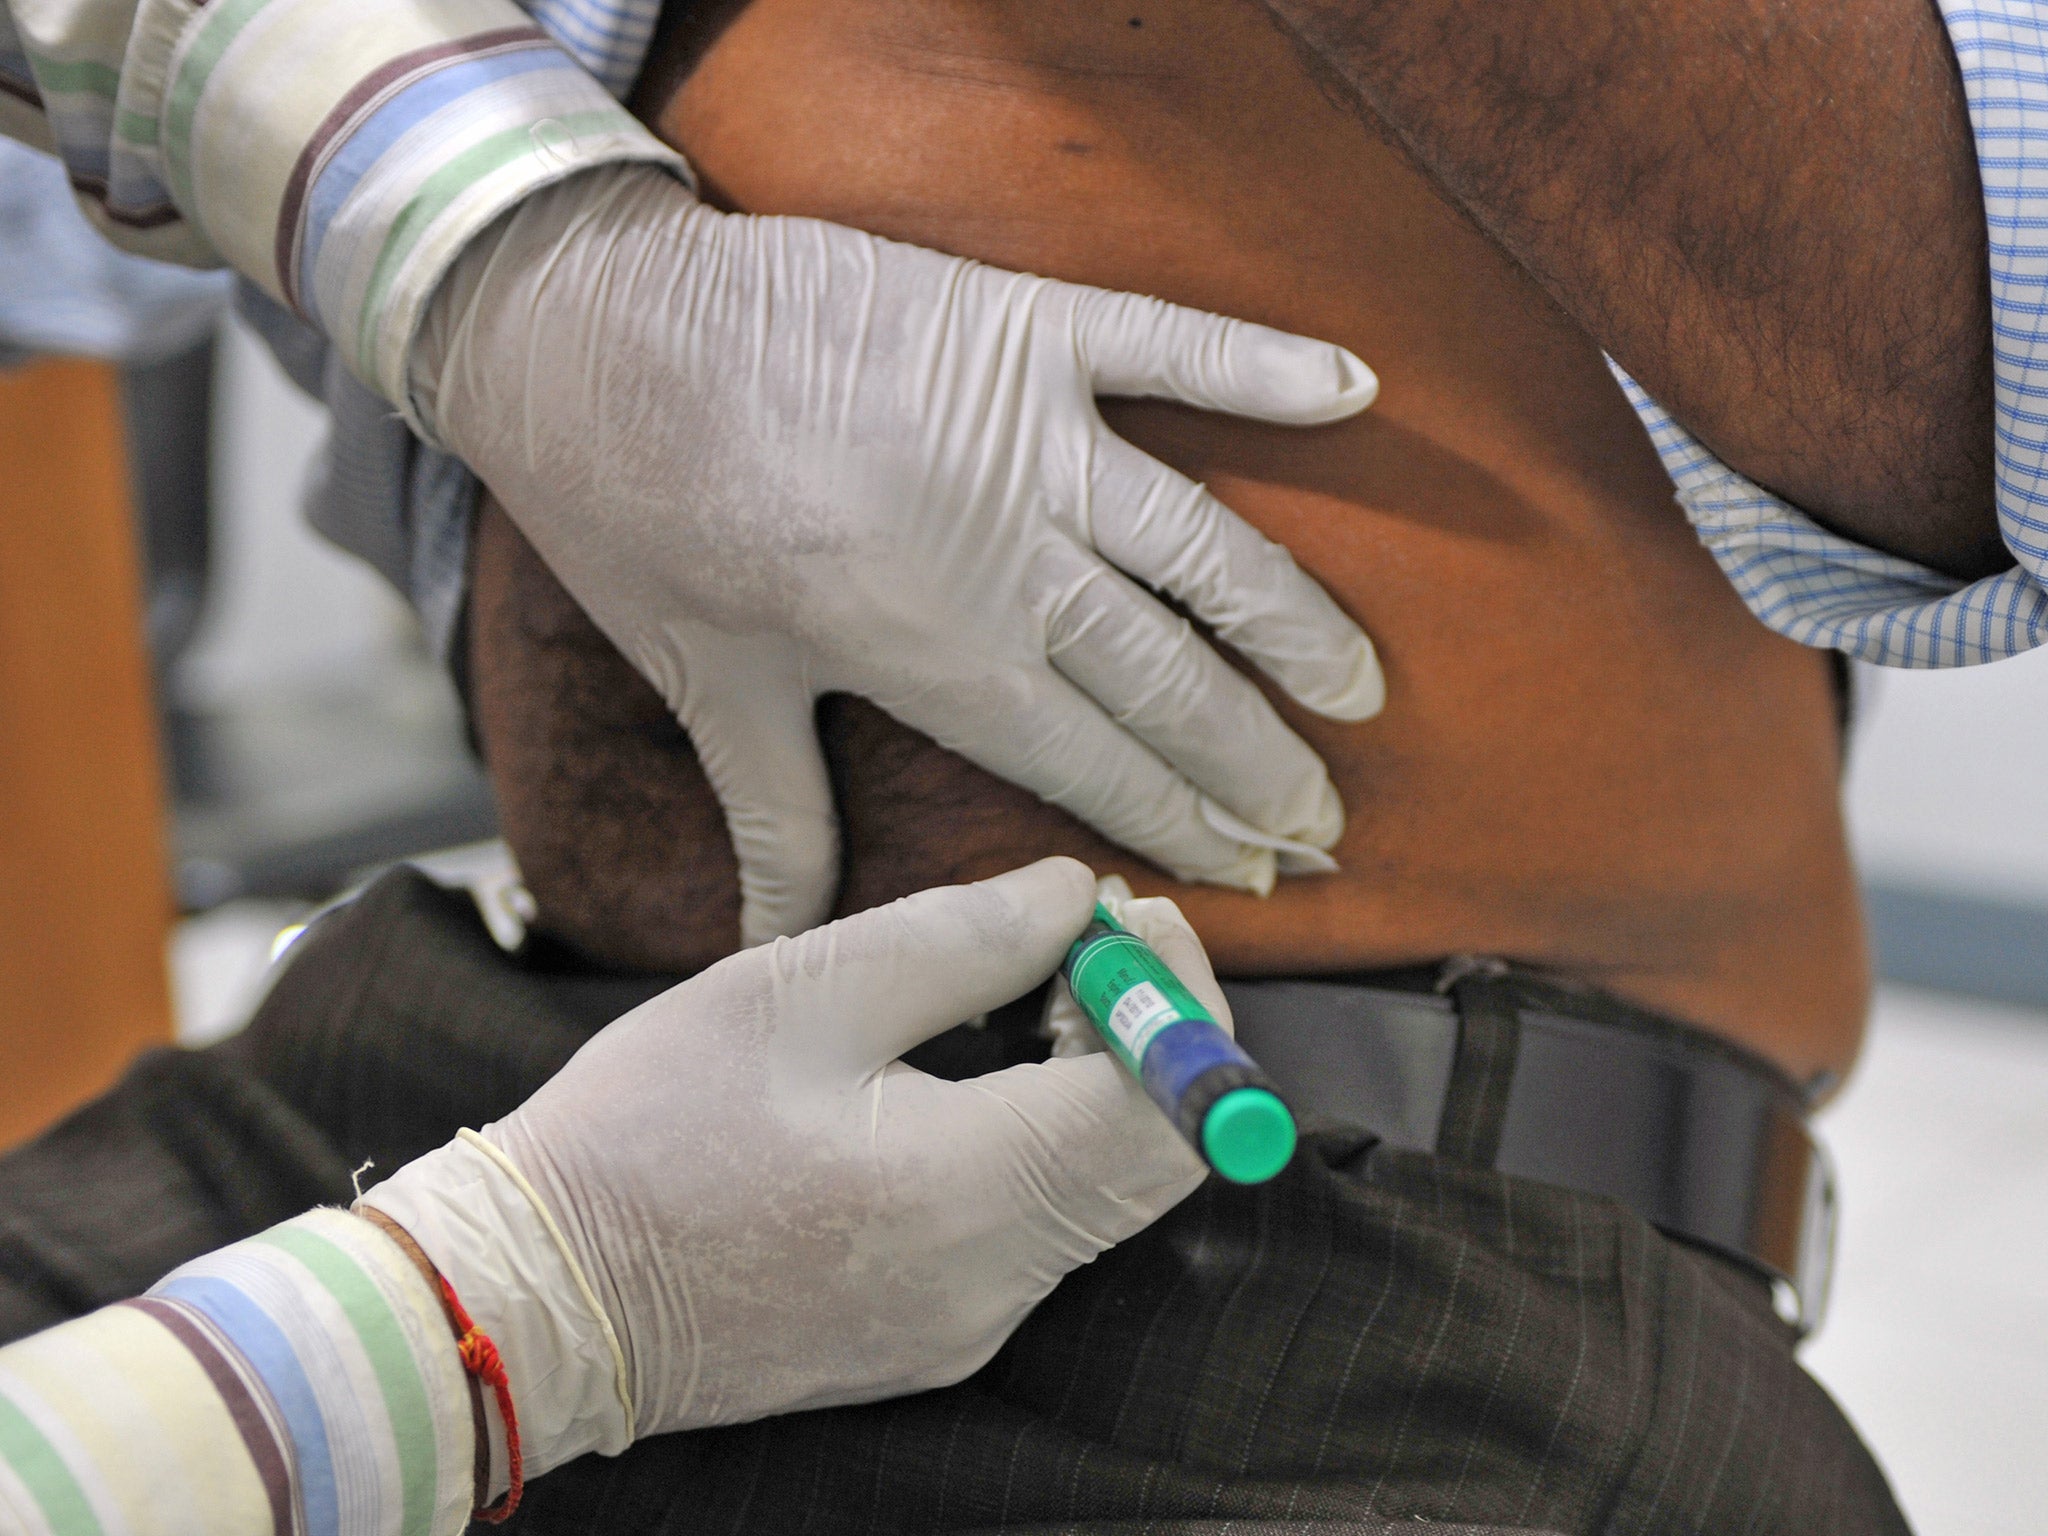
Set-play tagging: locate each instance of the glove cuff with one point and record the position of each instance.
(527, 231)
(476, 1217)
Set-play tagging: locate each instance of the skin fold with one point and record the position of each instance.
(1592, 758)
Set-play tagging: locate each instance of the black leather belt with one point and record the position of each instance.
(1699, 1137)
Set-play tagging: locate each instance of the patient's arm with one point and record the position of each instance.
(1766, 210)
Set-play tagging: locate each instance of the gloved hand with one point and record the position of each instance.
(742, 1186)
(775, 458)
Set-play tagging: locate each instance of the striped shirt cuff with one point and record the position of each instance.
(62, 90)
(339, 155)
(343, 156)
(302, 1381)
(1824, 590)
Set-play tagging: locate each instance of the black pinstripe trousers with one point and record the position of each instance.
(1375, 1342)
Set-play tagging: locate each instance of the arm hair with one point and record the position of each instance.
(1766, 210)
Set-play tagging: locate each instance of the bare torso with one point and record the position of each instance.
(1592, 758)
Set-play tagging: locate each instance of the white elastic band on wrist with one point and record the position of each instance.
(611, 1337)
(487, 1231)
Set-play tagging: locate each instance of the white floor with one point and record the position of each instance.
(1938, 1340)
(1937, 1344)
(220, 962)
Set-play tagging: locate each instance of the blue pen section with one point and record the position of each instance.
(1181, 1054)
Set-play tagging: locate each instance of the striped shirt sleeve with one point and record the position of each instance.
(304, 1381)
(340, 153)
(1825, 590)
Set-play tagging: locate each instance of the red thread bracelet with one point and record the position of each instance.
(481, 1359)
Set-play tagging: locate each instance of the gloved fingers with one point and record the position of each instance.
(1166, 685)
(1173, 535)
(1134, 345)
(752, 720)
(1067, 1030)
(1047, 736)
(858, 993)
(1084, 1149)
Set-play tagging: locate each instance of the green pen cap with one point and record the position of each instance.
(1248, 1135)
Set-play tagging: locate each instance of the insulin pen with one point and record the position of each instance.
(1215, 1095)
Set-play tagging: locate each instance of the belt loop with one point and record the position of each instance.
(1489, 1036)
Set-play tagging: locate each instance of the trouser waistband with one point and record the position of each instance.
(1507, 1070)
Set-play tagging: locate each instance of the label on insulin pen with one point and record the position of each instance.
(1139, 1015)
(1126, 989)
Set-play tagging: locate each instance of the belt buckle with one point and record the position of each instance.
(1802, 1299)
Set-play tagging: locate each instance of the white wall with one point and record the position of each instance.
(1948, 778)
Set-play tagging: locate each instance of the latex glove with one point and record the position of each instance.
(771, 1211)
(775, 458)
